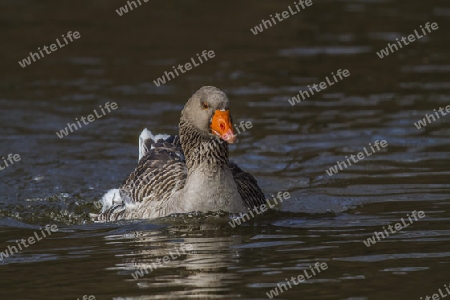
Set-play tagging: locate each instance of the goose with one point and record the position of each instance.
(188, 172)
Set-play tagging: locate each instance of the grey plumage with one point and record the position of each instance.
(189, 172)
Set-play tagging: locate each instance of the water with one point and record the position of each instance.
(327, 219)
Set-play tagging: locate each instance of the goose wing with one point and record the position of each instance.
(247, 186)
(160, 173)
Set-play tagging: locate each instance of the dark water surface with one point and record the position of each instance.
(327, 219)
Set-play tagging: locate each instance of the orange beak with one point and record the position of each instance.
(222, 127)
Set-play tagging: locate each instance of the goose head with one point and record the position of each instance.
(209, 113)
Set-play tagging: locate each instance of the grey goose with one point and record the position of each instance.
(189, 172)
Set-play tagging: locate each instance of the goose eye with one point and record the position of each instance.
(205, 105)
